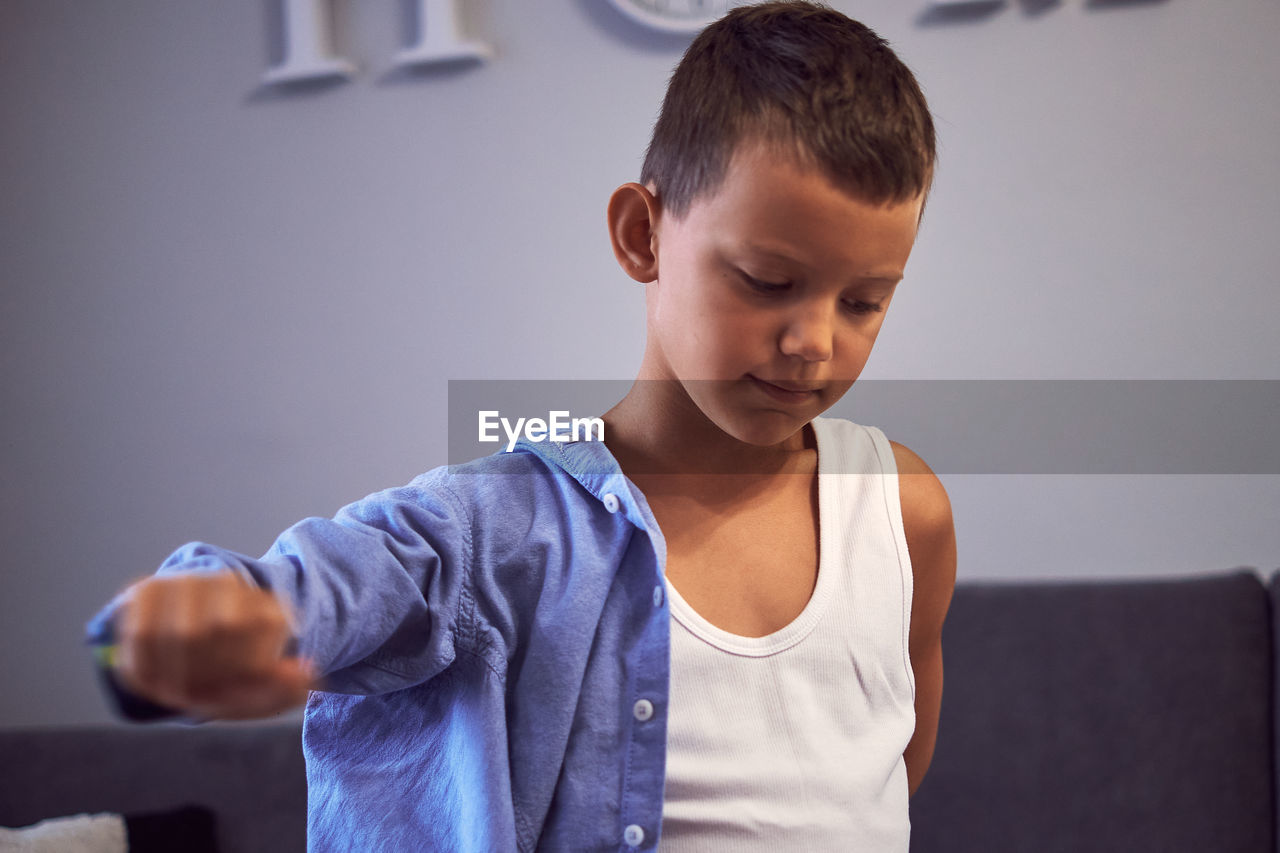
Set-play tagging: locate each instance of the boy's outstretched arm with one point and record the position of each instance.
(369, 600)
(931, 543)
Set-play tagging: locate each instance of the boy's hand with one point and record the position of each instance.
(209, 645)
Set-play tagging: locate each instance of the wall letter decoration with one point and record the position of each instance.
(439, 38)
(308, 45)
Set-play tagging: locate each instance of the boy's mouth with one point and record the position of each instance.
(786, 392)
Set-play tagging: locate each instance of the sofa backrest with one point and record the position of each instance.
(1104, 716)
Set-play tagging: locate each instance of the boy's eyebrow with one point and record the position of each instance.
(774, 254)
(887, 276)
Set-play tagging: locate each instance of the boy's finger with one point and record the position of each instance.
(140, 624)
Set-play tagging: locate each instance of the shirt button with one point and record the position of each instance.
(643, 710)
(611, 502)
(633, 836)
(657, 596)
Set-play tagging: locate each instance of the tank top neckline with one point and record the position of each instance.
(795, 631)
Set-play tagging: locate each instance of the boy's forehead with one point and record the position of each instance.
(788, 214)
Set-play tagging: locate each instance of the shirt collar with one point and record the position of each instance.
(592, 465)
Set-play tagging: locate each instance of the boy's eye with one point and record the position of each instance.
(853, 306)
(857, 306)
(765, 286)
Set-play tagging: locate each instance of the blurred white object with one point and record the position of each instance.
(83, 833)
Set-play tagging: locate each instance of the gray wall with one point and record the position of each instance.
(226, 308)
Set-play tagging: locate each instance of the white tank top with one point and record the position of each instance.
(794, 741)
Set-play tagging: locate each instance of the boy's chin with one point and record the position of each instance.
(766, 430)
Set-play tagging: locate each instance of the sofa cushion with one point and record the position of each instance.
(1104, 716)
(250, 776)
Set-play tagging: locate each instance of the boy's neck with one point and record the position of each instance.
(657, 430)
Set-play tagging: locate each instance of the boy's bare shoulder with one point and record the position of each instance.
(925, 505)
(926, 522)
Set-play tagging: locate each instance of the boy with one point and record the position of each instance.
(707, 625)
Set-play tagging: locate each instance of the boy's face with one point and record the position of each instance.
(774, 287)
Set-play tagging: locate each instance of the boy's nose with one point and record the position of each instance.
(809, 334)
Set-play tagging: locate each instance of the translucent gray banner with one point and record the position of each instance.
(957, 426)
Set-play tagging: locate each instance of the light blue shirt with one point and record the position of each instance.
(494, 638)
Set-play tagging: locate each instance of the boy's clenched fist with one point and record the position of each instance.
(209, 645)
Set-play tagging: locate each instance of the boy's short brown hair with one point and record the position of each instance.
(802, 77)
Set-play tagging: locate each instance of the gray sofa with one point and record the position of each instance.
(1095, 716)
(1121, 716)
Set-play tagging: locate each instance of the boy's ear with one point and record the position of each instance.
(633, 218)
